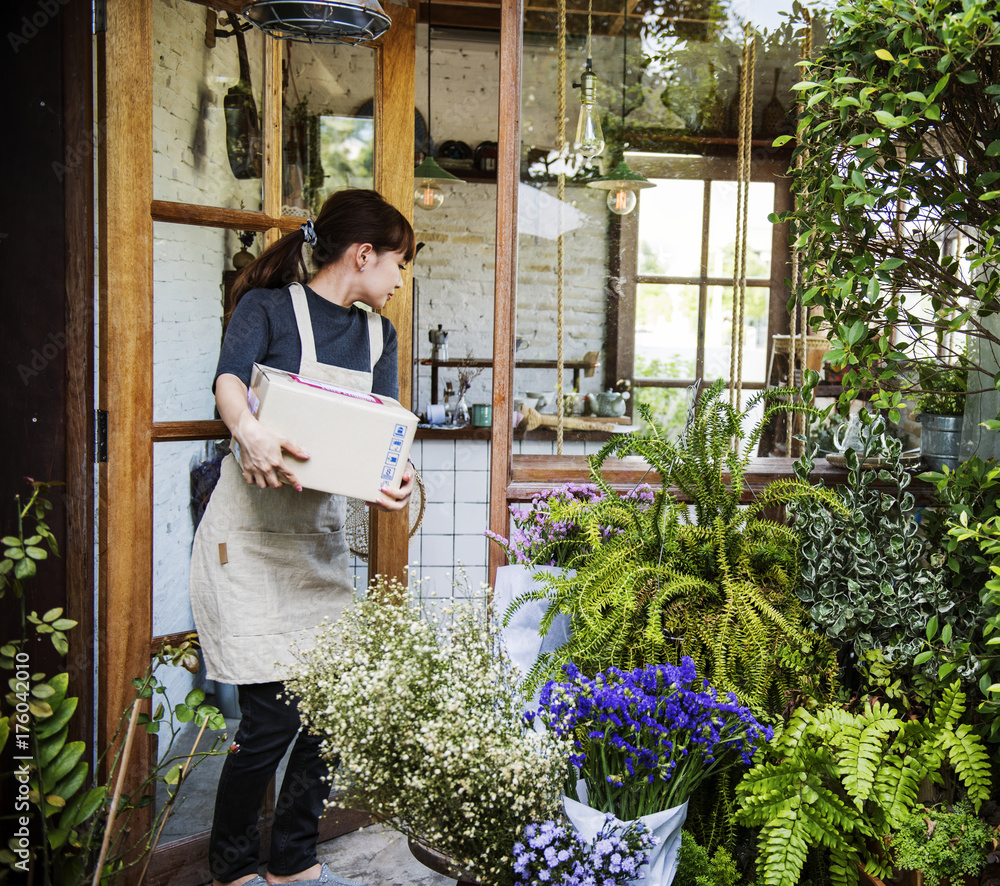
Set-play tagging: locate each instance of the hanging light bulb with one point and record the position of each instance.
(621, 184)
(589, 138)
(428, 176)
(428, 195)
(623, 181)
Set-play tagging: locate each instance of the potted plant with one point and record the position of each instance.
(654, 581)
(72, 826)
(863, 577)
(644, 742)
(539, 544)
(940, 404)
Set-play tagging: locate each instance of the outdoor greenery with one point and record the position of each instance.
(863, 578)
(942, 844)
(897, 195)
(69, 822)
(845, 780)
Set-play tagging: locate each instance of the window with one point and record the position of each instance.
(676, 315)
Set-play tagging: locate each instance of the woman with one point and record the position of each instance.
(270, 559)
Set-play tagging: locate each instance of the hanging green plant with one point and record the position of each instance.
(655, 582)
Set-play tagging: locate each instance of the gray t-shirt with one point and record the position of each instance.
(263, 330)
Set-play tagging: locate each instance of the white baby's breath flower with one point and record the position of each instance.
(425, 717)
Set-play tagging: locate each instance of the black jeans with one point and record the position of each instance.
(268, 725)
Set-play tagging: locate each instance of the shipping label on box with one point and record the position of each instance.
(357, 442)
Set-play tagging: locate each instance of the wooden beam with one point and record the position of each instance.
(504, 306)
(126, 372)
(272, 135)
(78, 190)
(395, 71)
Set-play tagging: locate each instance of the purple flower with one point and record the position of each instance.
(645, 739)
(540, 537)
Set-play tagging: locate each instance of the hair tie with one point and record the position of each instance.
(309, 232)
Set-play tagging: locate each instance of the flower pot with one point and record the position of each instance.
(521, 637)
(940, 440)
(440, 864)
(665, 825)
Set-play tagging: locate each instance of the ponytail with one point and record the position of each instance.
(350, 216)
(278, 265)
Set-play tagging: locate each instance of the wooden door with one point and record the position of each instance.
(132, 217)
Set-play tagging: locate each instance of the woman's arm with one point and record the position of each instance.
(260, 449)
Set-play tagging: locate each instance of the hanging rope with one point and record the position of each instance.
(560, 244)
(742, 208)
(794, 422)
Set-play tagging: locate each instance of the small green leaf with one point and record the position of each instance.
(946, 634)
(932, 627)
(173, 774)
(194, 698)
(923, 657)
(885, 55)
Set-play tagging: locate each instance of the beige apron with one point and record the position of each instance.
(269, 565)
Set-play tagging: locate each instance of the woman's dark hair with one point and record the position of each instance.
(347, 217)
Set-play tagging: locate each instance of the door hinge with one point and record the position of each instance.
(100, 435)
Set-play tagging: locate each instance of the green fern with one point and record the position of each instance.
(717, 584)
(844, 781)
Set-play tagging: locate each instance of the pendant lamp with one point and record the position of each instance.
(319, 21)
(428, 175)
(589, 141)
(623, 181)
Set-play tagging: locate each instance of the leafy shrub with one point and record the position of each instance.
(845, 781)
(863, 579)
(942, 845)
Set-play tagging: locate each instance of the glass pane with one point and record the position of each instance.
(719, 332)
(329, 133)
(722, 230)
(670, 228)
(666, 330)
(183, 474)
(192, 268)
(207, 109)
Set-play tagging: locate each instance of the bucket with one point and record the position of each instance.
(940, 440)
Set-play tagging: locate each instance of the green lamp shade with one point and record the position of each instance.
(430, 171)
(622, 177)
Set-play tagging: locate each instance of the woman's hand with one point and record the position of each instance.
(397, 499)
(261, 454)
(260, 449)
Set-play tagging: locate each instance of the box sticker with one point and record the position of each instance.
(395, 445)
(399, 431)
(388, 473)
(253, 401)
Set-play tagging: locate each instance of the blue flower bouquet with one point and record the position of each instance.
(643, 743)
(552, 853)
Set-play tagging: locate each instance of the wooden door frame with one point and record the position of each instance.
(125, 257)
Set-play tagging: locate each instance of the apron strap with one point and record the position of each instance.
(375, 342)
(304, 323)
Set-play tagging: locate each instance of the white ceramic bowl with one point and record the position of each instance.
(544, 398)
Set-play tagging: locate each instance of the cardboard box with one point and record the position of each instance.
(357, 442)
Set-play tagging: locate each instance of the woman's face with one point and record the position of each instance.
(382, 276)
